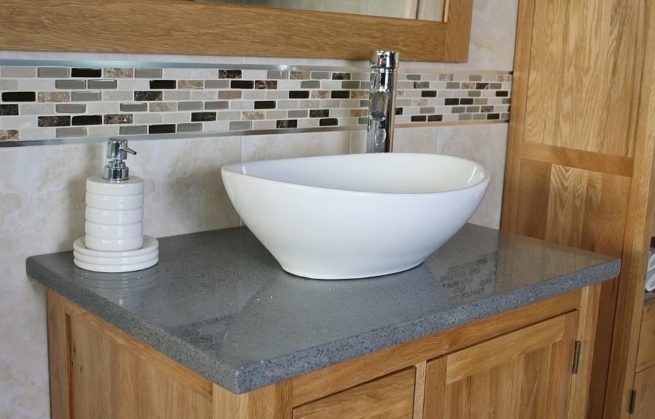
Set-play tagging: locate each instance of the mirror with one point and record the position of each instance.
(406, 9)
(194, 28)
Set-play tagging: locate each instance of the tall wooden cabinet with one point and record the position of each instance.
(580, 157)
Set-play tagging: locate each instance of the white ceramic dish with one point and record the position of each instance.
(354, 216)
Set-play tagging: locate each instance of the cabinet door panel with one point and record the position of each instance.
(646, 354)
(387, 397)
(645, 387)
(524, 374)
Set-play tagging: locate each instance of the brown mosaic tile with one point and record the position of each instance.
(265, 84)
(163, 106)
(148, 95)
(119, 118)
(54, 121)
(190, 84)
(359, 94)
(10, 134)
(251, 115)
(445, 76)
(356, 113)
(118, 73)
(229, 74)
(319, 94)
(299, 75)
(229, 94)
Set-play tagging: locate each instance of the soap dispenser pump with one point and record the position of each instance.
(114, 240)
(116, 170)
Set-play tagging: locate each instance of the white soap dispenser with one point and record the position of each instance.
(114, 240)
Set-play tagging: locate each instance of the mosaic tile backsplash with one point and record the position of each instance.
(40, 103)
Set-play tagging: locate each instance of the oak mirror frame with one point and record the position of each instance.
(195, 28)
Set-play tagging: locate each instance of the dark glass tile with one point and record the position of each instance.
(502, 93)
(399, 111)
(265, 84)
(486, 109)
(242, 84)
(340, 94)
(118, 118)
(145, 95)
(298, 94)
(452, 101)
(8, 109)
(493, 116)
(466, 101)
(341, 76)
(203, 116)
(54, 121)
(163, 84)
(86, 72)
(428, 93)
(421, 85)
(87, 120)
(319, 113)
(161, 129)
(286, 123)
(229, 74)
(18, 96)
(328, 122)
(418, 118)
(264, 104)
(435, 118)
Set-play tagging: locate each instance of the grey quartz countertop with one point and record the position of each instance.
(219, 303)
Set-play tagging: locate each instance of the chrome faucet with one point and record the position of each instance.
(382, 101)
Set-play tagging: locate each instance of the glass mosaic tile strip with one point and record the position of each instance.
(42, 102)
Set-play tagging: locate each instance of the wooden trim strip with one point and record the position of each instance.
(186, 27)
(580, 159)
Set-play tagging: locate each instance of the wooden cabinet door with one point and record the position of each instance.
(523, 374)
(645, 399)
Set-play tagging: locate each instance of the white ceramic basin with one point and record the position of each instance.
(356, 215)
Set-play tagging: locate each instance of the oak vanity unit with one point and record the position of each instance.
(489, 323)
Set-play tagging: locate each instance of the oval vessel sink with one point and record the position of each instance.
(356, 215)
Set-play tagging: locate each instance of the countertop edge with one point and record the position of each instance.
(266, 372)
(378, 339)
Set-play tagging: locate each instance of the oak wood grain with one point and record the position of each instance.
(193, 28)
(644, 384)
(527, 376)
(391, 396)
(646, 352)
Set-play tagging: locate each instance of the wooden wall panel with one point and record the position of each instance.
(583, 78)
(582, 129)
(572, 206)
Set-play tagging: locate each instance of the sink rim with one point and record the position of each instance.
(237, 169)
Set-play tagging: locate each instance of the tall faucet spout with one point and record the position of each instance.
(382, 101)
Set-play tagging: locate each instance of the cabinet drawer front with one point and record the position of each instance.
(391, 396)
(646, 354)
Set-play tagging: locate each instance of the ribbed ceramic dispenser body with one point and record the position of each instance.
(114, 214)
